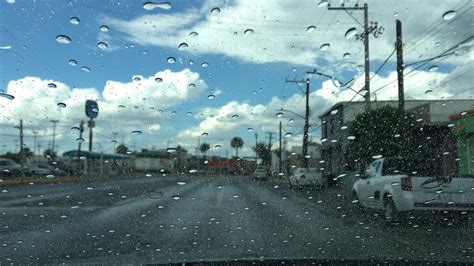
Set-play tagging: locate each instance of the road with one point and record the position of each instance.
(179, 219)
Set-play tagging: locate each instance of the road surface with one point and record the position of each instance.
(179, 219)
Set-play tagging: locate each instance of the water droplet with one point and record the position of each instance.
(449, 15)
(351, 137)
(104, 28)
(171, 150)
(311, 29)
(75, 129)
(217, 146)
(136, 78)
(343, 127)
(86, 69)
(335, 111)
(102, 45)
(182, 183)
(205, 64)
(428, 91)
(95, 110)
(75, 20)
(50, 176)
(323, 3)
(158, 80)
(151, 5)
(289, 134)
(378, 156)
(249, 129)
(63, 39)
(433, 68)
(279, 114)
(192, 85)
(61, 105)
(72, 62)
(235, 116)
(80, 140)
(183, 46)
(324, 47)
(350, 33)
(52, 85)
(193, 34)
(176, 197)
(215, 11)
(171, 60)
(395, 14)
(346, 56)
(249, 32)
(291, 120)
(211, 97)
(136, 132)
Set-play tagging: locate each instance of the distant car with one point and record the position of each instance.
(9, 167)
(42, 170)
(260, 174)
(306, 177)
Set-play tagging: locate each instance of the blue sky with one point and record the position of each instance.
(140, 41)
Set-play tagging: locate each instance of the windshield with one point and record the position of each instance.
(180, 131)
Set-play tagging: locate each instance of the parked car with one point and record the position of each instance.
(9, 167)
(398, 185)
(306, 177)
(261, 174)
(42, 170)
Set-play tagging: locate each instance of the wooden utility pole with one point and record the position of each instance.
(280, 159)
(256, 149)
(399, 47)
(81, 129)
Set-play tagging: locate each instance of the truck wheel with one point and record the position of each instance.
(391, 215)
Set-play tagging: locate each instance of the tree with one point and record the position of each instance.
(50, 153)
(263, 153)
(204, 148)
(122, 149)
(236, 143)
(378, 132)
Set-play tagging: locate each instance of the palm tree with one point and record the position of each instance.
(204, 148)
(237, 143)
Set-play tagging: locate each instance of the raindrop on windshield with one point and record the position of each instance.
(136, 132)
(102, 45)
(176, 197)
(351, 137)
(171, 150)
(72, 62)
(249, 129)
(75, 129)
(205, 64)
(249, 32)
(80, 140)
(350, 33)
(324, 47)
(151, 5)
(61, 105)
(158, 80)
(323, 3)
(217, 146)
(193, 34)
(50, 176)
(291, 120)
(235, 116)
(215, 11)
(182, 183)
(378, 156)
(428, 91)
(211, 97)
(333, 112)
(183, 46)
(289, 134)
(63, 39)
(86, 69)
(104, 28)
(449, 15)
(192, 85)
(205, 134)
(311, 29)
(75, 20)
(346, 55)
(433, 68)
(279, 114)
(136, 78)
(171, 60)
(52, 85)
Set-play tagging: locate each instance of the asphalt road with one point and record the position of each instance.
(179, 219)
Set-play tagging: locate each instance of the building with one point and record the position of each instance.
(464, 131)
(432, 115)
(294, 158)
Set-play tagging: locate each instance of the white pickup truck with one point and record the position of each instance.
(396, 185)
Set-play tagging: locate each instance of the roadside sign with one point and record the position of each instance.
(92, 109)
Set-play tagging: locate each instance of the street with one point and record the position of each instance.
(191, 218)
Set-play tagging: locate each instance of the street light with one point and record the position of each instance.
(54, 134)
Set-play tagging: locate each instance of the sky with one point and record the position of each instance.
(188, 72)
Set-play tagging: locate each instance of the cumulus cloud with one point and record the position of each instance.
(137, 105)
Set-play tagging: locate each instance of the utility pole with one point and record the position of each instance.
(91, 125)
(34, 141)
(115, 134)
(373, 28)
(399, 47)
(54, 136)
(81, 129)
(306, 120)
(256, 151)
(21, 145)
(270, 136)
(280, 159)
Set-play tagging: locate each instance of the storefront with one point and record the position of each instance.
(464, 131)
